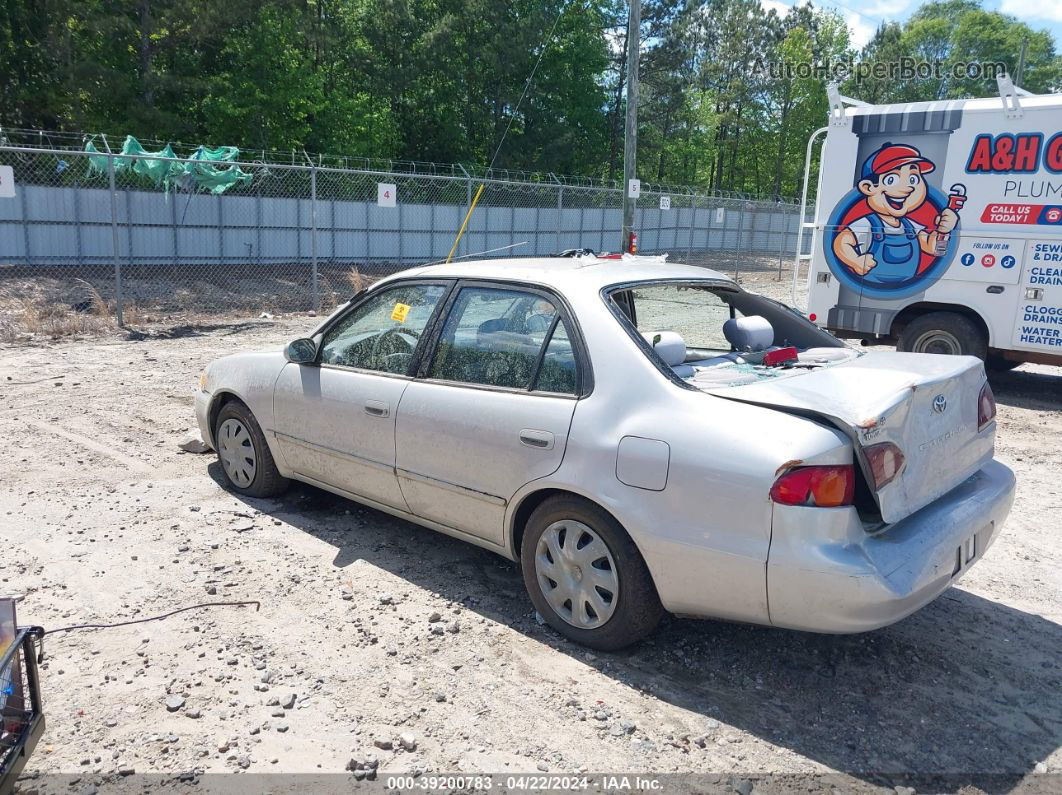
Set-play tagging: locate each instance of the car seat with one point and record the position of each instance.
(670, 347)
(749, 334)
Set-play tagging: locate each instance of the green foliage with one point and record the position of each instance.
(441, 79)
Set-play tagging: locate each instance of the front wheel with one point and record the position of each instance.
(586, 577)
(944, 332)
(244, 455)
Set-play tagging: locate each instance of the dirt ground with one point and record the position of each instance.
(103, 519)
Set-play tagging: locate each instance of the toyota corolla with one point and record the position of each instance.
(641, 436)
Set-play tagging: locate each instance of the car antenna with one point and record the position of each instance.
(527, 85)
(478, 253)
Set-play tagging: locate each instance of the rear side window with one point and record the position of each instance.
(497, 337)
(558, 372)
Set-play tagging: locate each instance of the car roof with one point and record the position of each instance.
(567, 272)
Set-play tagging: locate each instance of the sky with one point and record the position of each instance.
(864, 16)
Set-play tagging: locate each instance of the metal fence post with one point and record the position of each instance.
(560, 215)
(468, 208)
(313, 236)
(693, 218)
(737, 243)
(114, 242)
(781, 238)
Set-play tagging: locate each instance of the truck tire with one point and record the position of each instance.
(945, 333)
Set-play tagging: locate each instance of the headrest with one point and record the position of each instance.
(670, 346)
(752, 333)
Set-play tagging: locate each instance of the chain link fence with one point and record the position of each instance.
(85, 238)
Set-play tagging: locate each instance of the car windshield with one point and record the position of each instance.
(715, 334)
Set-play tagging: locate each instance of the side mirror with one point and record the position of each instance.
(301, 351)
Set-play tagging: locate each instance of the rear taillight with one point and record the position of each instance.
(820, 486)
(886, 462)
(986, 407)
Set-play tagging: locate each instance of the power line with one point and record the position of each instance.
(527, 85)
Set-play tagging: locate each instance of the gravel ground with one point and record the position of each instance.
(377, 639)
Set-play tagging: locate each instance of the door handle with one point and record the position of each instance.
(377, 408)
(541, 440)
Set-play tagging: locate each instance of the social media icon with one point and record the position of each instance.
(1008, 261)
(988, 260)
(967, 259)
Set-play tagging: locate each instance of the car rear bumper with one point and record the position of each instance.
(826, 574)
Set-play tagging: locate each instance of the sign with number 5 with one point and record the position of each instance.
(7, 182)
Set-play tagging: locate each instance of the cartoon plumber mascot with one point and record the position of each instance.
(896, 232)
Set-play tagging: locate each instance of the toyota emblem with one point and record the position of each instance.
(940, 403)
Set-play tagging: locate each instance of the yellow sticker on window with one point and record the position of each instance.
(400, 313)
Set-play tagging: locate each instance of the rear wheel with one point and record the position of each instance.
(244, 455)
(585, 576)
(945, 333)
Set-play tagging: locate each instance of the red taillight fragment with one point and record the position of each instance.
(886, 462)
(780, 356)
(986, 407)
(820, 486)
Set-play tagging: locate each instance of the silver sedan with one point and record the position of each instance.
(641, 436)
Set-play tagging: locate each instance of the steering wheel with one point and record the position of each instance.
(394, 331)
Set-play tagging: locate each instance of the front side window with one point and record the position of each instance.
(382, 333)
(495, 336)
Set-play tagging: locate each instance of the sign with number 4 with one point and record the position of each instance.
(386, 194)
(7, 182)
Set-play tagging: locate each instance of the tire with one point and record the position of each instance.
(254, 473)
(998, 364)
(572, 525)
(945, 333)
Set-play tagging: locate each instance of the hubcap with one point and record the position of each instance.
(938, 342)
(237, 452)
(577, 574)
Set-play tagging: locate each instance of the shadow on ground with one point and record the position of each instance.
(966, 691)
(1028, 389)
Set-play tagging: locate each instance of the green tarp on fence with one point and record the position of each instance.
(200, 171)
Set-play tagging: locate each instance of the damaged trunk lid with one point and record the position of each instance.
(925, 405)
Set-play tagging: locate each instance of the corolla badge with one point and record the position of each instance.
(940, 404)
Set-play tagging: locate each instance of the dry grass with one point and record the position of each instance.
(50, 306)
(83, 311)
(356, 280)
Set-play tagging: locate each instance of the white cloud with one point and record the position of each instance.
(883, 8)
(1032, 9)
(861, 29)
(777, 6)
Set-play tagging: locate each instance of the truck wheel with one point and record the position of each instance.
(944, 332)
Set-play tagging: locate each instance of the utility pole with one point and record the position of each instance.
(630, 130)
(1021, 63)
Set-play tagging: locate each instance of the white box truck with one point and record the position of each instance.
(938, 226)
